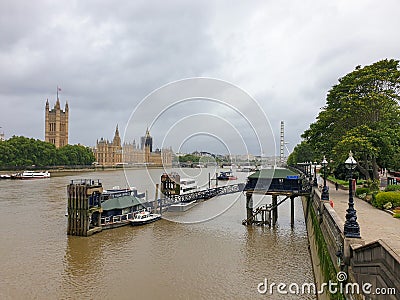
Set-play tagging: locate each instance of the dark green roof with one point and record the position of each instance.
(121, 202)
(273, 173)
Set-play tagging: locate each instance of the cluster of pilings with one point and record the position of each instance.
(267, 214)
(84, 209)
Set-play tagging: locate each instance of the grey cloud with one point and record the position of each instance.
(107, 56)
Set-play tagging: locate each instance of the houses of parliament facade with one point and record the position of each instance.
(107, 153)
(113, 153)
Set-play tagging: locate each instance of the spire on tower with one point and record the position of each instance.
(117, 139)
(117, 131)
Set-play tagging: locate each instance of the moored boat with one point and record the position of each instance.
(5, 176)
(226, 175)
(31, 175)
(187, 185)
(182, 206)
(144, 217)
(120, 206)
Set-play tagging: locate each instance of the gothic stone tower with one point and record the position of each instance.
(56, 124)
(146, 141)
(109, 153)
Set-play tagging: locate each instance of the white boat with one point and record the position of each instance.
(144, 217)
(181, 206)
(116, 190)
(187, 185)
(31, 175)
(5, 176)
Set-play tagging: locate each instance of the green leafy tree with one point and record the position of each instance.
(75, 155)
(20, 151)
(362, 114)
(189, 158)
(303, 152)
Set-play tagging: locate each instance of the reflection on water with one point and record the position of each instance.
(218, 258)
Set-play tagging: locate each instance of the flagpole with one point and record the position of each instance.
(57, 92)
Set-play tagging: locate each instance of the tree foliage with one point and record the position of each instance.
(303, 152)
(189, 158)
(20, 151)
(361, 114)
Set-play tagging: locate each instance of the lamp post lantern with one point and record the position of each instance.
(325, 189)
(351, 227)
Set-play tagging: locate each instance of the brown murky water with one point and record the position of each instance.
(209, 256)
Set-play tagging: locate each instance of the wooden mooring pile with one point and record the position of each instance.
(267, 214)
(84, 208)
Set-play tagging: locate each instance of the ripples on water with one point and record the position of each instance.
(215, 259)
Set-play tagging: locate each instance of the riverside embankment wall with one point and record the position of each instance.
(331, 253)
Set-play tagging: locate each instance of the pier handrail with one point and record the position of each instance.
(94, 182)
(118, 218)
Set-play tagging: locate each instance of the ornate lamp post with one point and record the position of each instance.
(325, 189)
(315, 183)
(351, 227)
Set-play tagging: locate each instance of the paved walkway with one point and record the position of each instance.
(374, 223)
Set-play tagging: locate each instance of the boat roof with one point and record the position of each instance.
(121, 202)
(111, 192)
(272, 173)
(187, 179)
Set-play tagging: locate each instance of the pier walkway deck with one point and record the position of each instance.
(374, 223)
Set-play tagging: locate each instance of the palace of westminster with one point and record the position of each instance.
(107, 153)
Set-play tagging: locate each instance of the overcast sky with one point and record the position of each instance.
(108, 56)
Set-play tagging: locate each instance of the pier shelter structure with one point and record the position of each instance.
(274, 182)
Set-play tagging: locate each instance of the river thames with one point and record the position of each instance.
(204, 253)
